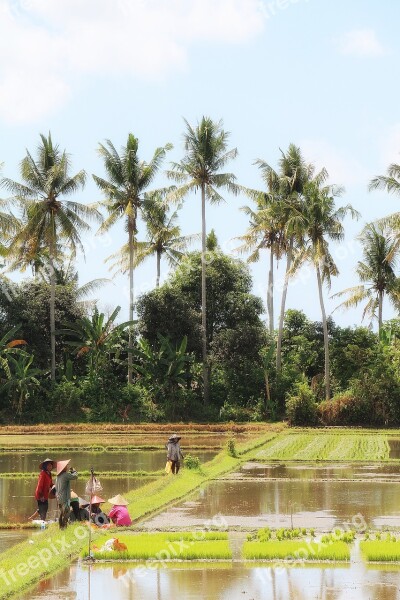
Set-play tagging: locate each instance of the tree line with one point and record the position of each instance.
(294, 217)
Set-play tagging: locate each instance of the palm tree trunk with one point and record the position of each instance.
(326, 339)
(283, 304)
(270, 293)
(52, 314)
(206, 381)
(380, 311)
(158, 268)
(131, 303)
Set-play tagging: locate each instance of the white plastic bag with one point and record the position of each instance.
(93, 487)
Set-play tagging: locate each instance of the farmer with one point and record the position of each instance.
(97, 515)
(63, 490)
(174, 453)
(79, 507)
(119, 513)
(44, 487)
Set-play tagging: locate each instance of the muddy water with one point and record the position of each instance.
(286, 503)
(136, 460)
(17, 501)
(224, 582)
(10, 538)
(383, 472)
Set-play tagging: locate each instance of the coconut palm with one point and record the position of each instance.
(200, 170)
(129, 178)
(376, 272)
(321, 223)
(391, 184)
(48, 217)
(163, 237)
(293, 173)
(265, 231)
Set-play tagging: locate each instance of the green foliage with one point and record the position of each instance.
(344, 409)
(231, 448)
(192, 462)
(295, 550)
(301, 407)
(381, 550)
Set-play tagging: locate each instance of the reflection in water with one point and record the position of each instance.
(303, 503)
(224, 582)
(10, 538)
(384, 472)
(135, 460)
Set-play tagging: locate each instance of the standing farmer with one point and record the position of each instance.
(44, 485)
(63, 490)
(174, 453)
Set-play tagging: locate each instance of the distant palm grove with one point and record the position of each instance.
(197, 347)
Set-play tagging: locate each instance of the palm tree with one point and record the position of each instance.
(48, 217)
(129, 178)
(96, 337)
(322, 222)
(376, 272)
(200, 170)
(290, 179)
(266, 231)
(390, 183)
(22, 378)
(8, 224)
(163, 237)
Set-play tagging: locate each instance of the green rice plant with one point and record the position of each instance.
(165, 546)
(192, 462)
(296, 550)
(231, 448)
(378, 550)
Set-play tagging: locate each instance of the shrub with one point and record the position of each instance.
(231, 448)
(192, 462)
(344, 409)
(65, 400)
(301, 408)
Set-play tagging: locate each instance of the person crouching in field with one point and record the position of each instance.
(119, 513)
(44, 487)
(174, 453)
(63, 490)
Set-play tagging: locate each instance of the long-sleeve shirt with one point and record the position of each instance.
(120, 516)
(174, 451)
(44, 485)
(63, 486)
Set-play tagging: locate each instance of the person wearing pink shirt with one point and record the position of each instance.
(119, 513)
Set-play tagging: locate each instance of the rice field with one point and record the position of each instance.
(381, 550)
(296, 551)
(306, 446)
(160, 547)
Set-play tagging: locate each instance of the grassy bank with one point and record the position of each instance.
(29, 562)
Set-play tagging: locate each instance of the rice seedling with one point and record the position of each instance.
(296, 550)
(381, 550)
(166, 546)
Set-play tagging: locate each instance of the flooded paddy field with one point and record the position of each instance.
(233, 581)
(17, 502)
(133, 460)
(9, 538)
(286, 503)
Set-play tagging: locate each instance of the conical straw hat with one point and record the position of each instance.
(83, 503)
(61, 465)
(118, 501)
(74, 496)
(46, 460)
(97, 500)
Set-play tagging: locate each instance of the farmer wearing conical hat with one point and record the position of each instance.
(119, 513)
(44, 486)
(98, 517)
(174, 453)
(63, 490)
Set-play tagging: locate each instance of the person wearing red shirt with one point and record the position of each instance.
(119, 513)
(44, 486)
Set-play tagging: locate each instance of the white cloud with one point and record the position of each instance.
(47, 43)
(361, 43)
(342, 167)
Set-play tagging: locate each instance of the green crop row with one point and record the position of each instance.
(381, 551)
(296, 550)
(165, 546)
(305, 446)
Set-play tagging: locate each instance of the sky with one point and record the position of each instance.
(320, 74)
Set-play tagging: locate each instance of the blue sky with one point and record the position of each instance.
(317, 73)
